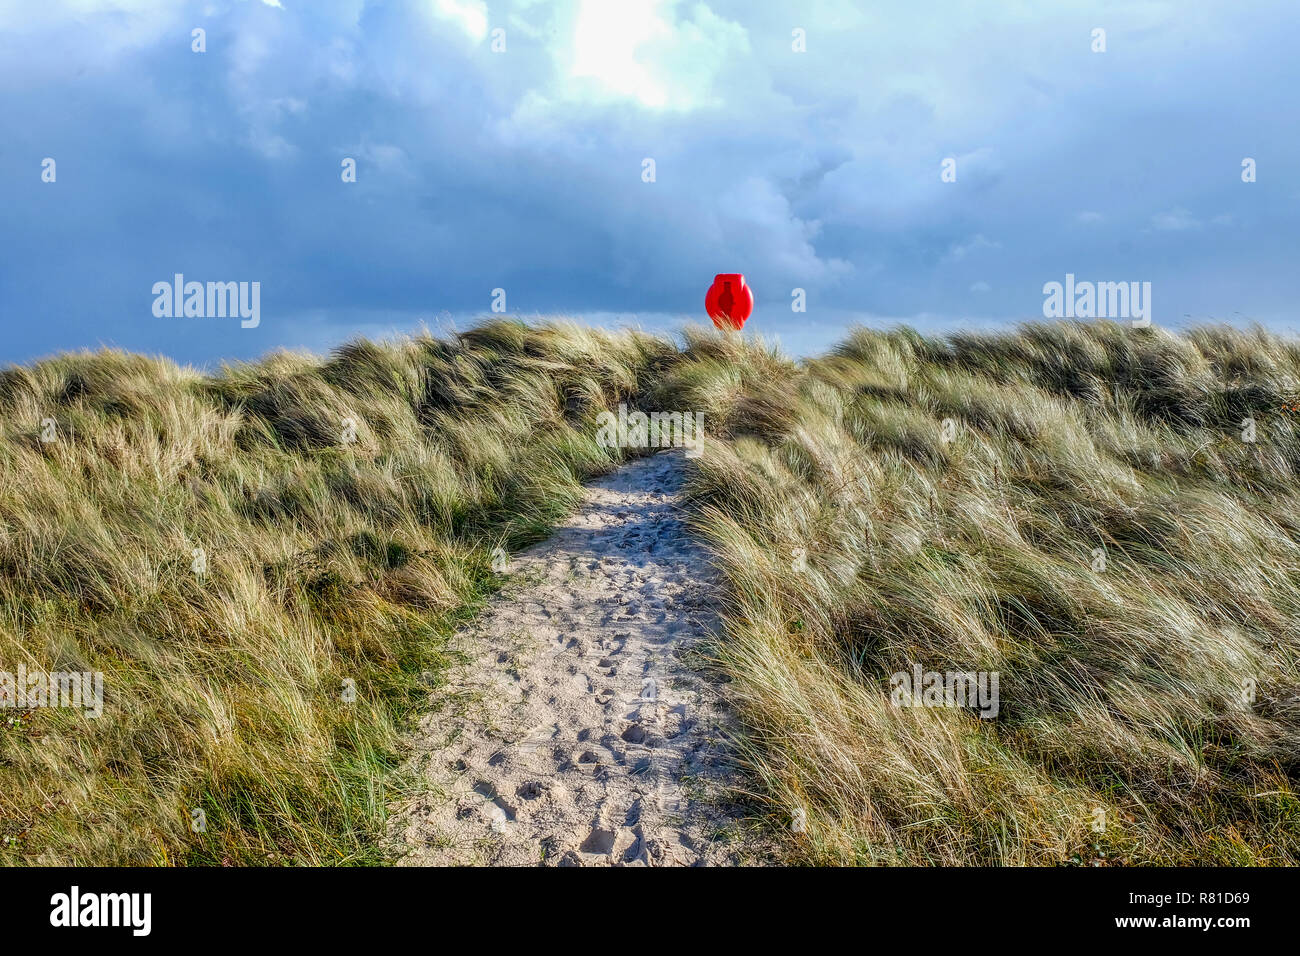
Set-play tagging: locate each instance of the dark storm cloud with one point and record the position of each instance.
(522, 170)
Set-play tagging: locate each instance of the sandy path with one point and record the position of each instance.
(578, 734)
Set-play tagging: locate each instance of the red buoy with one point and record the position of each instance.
(729, 300)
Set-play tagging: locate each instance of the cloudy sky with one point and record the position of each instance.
(501, 144)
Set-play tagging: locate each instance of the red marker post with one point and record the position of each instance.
(729, 301)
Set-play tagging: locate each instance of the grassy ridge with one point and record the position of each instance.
(327, 560)
(951, 496)
(1150, 700)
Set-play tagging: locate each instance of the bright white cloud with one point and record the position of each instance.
(470, 15)
(605, 42)
(643, 51)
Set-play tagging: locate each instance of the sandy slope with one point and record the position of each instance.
(578, 734)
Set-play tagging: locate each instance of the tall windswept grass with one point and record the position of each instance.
(1097, 532)
(346, 509)
(1072, 506)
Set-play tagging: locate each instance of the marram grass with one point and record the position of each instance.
(1072, 506)
(1106, 518)
(346, 509)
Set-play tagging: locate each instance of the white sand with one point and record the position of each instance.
(578, 735)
